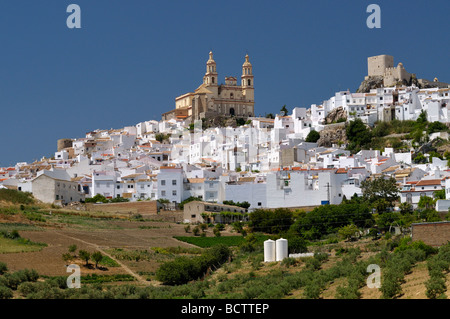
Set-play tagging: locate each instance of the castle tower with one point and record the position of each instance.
(247, 80)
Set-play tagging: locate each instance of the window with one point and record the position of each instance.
(174, 193)
(259, 203)
(163, 182)
(118, 186)
(174, 182)
(163, 193)
(249, 82)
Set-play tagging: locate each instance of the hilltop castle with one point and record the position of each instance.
(211, 99)
(381, 72)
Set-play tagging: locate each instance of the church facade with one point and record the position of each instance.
(212, 99)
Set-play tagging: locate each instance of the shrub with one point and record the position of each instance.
(196, 231)
(313, 136)
(297, 245)
(5, 292)
(3, 268)
(289, 261)
(184, 269)
(435, 287)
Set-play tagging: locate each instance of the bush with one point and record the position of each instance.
(184, 269)
(268, 221)
(297, 245)
(435, 287)
(313, 137)
(407, 243)
(5, 292)
(196, 231)
(3, 268)
(97, 199)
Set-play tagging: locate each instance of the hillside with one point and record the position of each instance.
(134, 247)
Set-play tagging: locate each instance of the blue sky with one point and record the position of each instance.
(131, 59)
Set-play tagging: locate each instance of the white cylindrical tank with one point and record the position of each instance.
(269, 250)
(281, 248)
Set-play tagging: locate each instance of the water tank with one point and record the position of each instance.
(269, 250)
(281, 248)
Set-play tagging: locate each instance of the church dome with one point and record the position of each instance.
(211, 60)
(247, 62)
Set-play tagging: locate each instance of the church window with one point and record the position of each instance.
(249, 82)
(212, 79)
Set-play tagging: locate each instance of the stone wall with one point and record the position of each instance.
(433, 234)
(143, 208)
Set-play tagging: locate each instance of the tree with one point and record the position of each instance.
(422, 118)
(268, 221)
(358, 134)
(99, 198)
(284, 110)
(405, 208)
(440, 194)
(3, 268)
(73, 249)
(348, 232)
(97, 257)
(426, 202)
(380, 188)
(312, 137)
(436, 287)
(420, 159)
(85, 255)
(297, 245)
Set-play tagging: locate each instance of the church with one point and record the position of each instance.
(212, 99)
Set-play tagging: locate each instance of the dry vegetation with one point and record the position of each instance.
(135, 246)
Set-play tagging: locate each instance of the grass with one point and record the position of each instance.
(206, 242)
(108, 262)
(18, 227)
(16, 197)
(18, 246)
(94, 278)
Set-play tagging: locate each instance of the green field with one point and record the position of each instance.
(206, 242)
(15, 246)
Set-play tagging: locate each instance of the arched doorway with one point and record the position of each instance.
(232, 111)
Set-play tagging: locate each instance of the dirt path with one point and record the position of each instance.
(97, 247)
